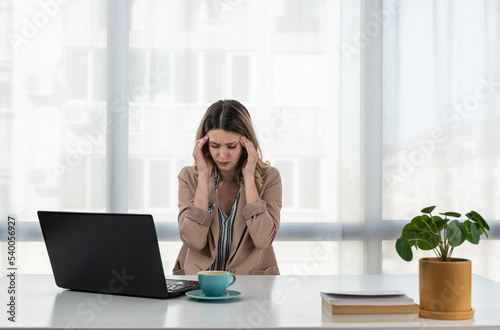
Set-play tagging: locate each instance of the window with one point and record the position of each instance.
(371, 111)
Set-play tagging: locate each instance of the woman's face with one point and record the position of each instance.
(225, 148)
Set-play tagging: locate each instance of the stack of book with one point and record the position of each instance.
(369, 306)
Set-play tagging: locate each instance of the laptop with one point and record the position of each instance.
(108, 253)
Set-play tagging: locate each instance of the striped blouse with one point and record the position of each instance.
(225, 231)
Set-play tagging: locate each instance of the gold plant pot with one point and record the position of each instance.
(445, 289)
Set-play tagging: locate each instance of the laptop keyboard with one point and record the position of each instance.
(178, 286)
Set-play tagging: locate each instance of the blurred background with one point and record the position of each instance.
(371, 110)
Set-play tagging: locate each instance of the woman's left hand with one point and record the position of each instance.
(248, 169)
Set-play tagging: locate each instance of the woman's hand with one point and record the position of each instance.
(204, 163)
(248, 168)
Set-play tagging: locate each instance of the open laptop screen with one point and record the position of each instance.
(104, 252)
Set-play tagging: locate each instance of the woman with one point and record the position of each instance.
(230, 200)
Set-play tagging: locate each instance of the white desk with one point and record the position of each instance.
(267, 302)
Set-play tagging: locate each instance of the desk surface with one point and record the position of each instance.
(267, 302)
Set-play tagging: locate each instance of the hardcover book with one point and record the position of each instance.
(368, 302)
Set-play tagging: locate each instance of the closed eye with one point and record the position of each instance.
(216, 146)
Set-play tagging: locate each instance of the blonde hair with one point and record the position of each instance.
(232, 116)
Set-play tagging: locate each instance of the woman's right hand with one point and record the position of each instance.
(204, 163)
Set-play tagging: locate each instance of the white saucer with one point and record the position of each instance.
(198, 294)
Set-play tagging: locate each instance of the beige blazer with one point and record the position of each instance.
(255, 227)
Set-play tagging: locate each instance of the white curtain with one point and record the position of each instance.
(356, 102)
(441, 115)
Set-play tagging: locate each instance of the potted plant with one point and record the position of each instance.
(445, 282)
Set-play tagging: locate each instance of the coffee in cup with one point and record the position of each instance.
(214, 283)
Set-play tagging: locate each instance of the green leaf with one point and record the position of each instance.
(410, 232)
(421, 232)
(404, 249)
(456, 232)
(479, 220)
(430, 223)
(425, 223)
(419, 221)
(429, 241)
(439, 222)
(452, 214)
(428, 209)
(474, 233)
(409, 228)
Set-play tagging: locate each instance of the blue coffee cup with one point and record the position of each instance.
(214, 283)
